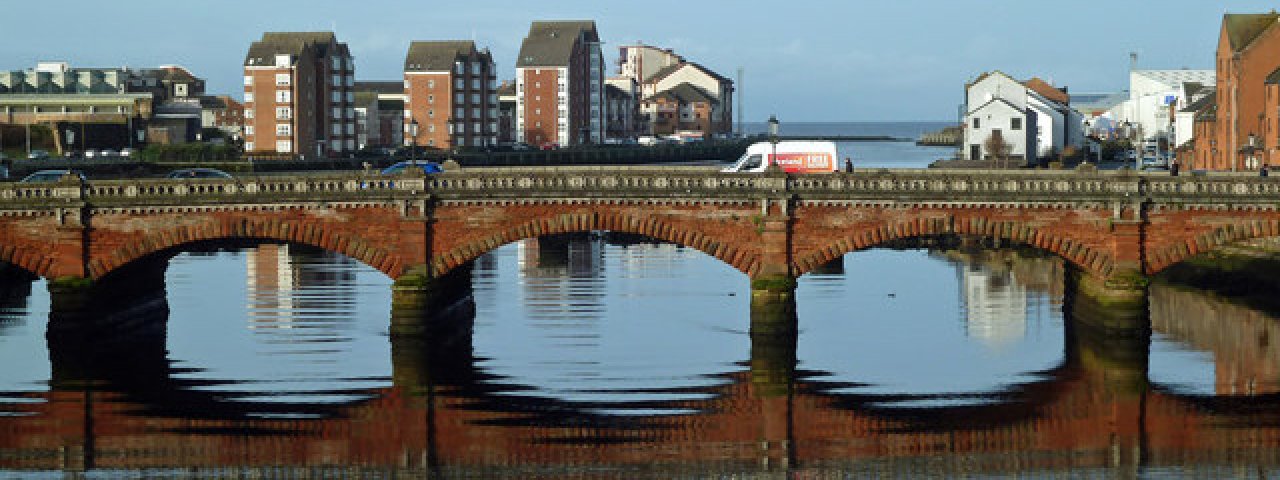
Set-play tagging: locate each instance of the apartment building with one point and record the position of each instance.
(1248, 53)
(451, 95)
(560, 84)
(299, 95)
(641, 62)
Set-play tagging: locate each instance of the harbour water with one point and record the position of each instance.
(610, 356)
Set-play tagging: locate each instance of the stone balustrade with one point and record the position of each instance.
(930, 186)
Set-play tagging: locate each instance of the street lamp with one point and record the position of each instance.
(413, 137)
(773, 137)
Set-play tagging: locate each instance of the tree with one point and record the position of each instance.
(998, 148)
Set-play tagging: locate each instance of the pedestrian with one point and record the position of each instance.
(1173, 169)
(848, 165)
(1263, 171)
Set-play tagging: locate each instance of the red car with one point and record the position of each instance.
(550, 146)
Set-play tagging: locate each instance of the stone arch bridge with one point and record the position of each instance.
(1114, 227)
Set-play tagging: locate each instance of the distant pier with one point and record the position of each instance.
(947, 137)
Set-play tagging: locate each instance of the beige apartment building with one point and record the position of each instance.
(451, 97)
(299, 95)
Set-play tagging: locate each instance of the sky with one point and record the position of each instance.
(803, 60)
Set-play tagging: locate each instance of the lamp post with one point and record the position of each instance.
(773, 138)
(1250, 153)
(413, 137)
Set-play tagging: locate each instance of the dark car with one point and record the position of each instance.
(426, 166)
(50, 176)
(198, 173)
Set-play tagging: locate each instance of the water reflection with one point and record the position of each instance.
(652, 376)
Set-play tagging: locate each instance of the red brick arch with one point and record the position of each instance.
(693, 234)
(1165, 254)
(1082, 255)
(247, 227)
(29, 259)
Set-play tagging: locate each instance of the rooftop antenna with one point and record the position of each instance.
(739, 131)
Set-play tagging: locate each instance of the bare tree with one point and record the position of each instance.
(998, 148)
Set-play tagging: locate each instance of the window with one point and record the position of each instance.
(459, 84)
(284, 146)
(431, 99)
(248, 97)
(283, 60)
(284, 113)
(459, 97)
(248, 129)
(336, 97)
(248, 80)
(406, 84)
(283, 79)
(537, 84)
(248, 146)
(284, 130)
(431, 84)
(459, 112)
(248, 113)
(284, 96)
(475, 84)
(337, 80)
(431, 114)
(976, 123)
(337, 129)
(337, 112)
(1015, 123)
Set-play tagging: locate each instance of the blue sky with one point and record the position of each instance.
(803, 60)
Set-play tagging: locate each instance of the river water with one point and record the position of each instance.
(609, 356)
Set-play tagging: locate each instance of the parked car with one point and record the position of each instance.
(50, 176)
(126, 152)
(426, 166)
(198, 173)
(90, 153)
(107, 152)
(38, 155)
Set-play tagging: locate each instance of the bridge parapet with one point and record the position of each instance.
(988, 186)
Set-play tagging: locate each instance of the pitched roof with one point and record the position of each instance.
(1202, 102)
(685, 93)
(670, 69)
(507, 88)
(550, 44)
(1242, 28)
(437, 56)
(292, 43)
(1047, 91)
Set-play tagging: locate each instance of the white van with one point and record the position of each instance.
(793, 156)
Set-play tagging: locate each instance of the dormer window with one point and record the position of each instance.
(283, 60)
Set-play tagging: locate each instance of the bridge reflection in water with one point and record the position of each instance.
(117, 402)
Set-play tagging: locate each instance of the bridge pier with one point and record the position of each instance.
(117, 314)
(1117, 303)
(426, 306)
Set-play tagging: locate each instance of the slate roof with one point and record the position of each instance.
(262, 52)
(1241, 28)
(685, 93)
(670, 69)
(437, 56)
(1199, 104)
(550, 44)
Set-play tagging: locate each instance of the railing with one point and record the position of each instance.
(679, 183)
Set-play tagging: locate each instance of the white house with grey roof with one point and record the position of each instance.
(1032, 119)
